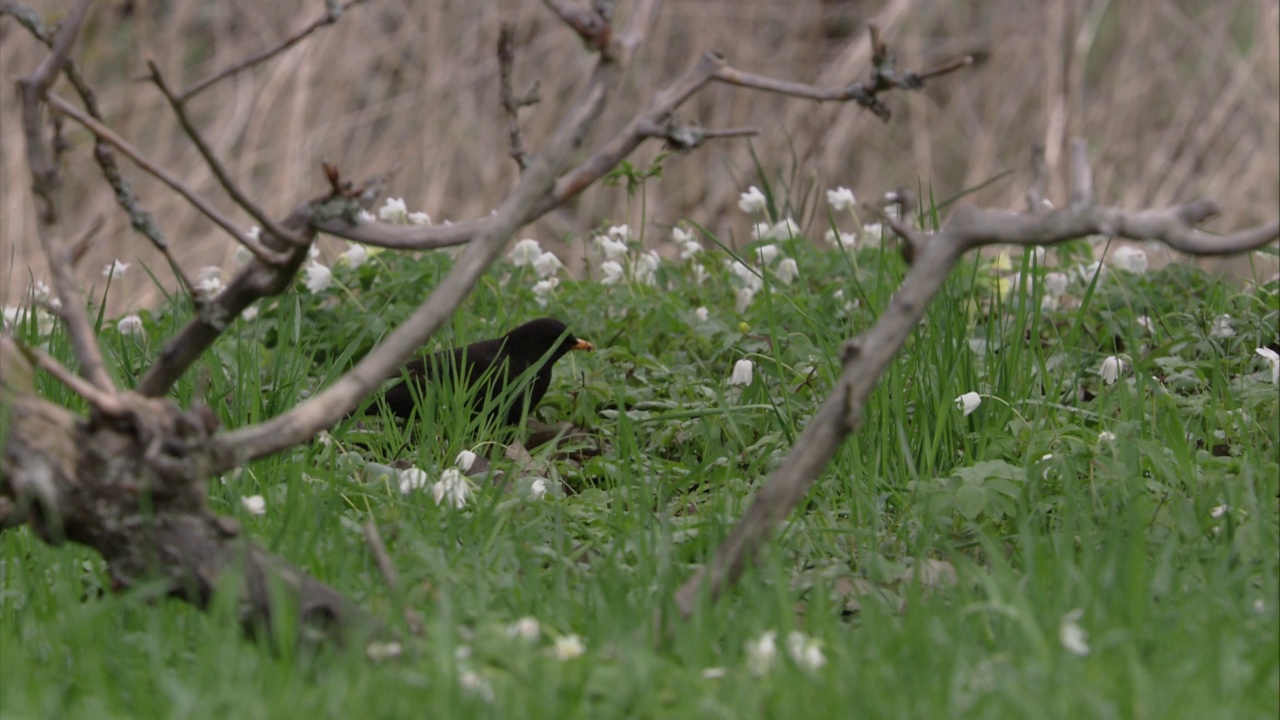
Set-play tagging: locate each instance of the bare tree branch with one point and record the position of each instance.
(511, 103)
(239, 197)
(139, 218)
(44, 173)
(332, 13)
(105, 134)
(107, 403)
(320, 411)
(868, 355)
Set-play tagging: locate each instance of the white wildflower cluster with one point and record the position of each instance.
(528, 253)
(622, 264)
(1129, 259)
(453, 487)
(804, 651)
(395, 212)
(38, 298)
(765, 259)
(209, 281)
(753, 202)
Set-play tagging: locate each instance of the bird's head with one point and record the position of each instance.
(537, 338)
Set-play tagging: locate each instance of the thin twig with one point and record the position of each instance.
(109, 136)
(687, 137)
(381, 557)
(330, 16)
(1039, 180)
(44, 173)
(326, 407)
(141, 220)
(224, 178)
(511, 103)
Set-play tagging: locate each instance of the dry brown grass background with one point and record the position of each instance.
(1178, 100)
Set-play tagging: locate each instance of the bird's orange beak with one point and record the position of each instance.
(583, 345)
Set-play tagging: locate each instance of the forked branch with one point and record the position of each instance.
(867, 356)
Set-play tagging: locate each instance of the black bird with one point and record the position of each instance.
(489, 367)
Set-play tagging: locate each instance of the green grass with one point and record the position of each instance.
(1163, 542)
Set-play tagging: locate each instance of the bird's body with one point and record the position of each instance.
(490, 367)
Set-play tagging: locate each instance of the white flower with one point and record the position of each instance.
(848, 240)
(743, 370)
(1055, 284)
(114, 269)
(688, 246)
(612, 272)
(356, 255)
(413, 479)
(1071, 635)
(968, 402)
(465, 460)
(254, 505)
(319, 277)
(394, 211)
(1106, 436)
(762, 231)
(1129, 258)
(538, 489)
(130, 325)
(700, 273)
(1218, 511)
(619, 233)
(313, 252)
(1089, 270)
(526, 628)
(250, 312)
(547, 264)
(365, 216)
(787, 271)
(526, 252)
(209, 280)
(39, 292)
(474, 683)
(766, 254)
(748, 276)
(714, 673)
(1112, 368)
(1273, 359)
(1145, 323)
(841, 199)
(378, 650)
(568, 647)
(805, 651)
(1223, 328)
(645, 267)
(254, 233)
(702, 314)
(752, 201)
(761, 652)
(745, 296)
(614, 250)
(452, 486)
(786, 229)
(873, 231)
(543, 289)
(419, 218)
